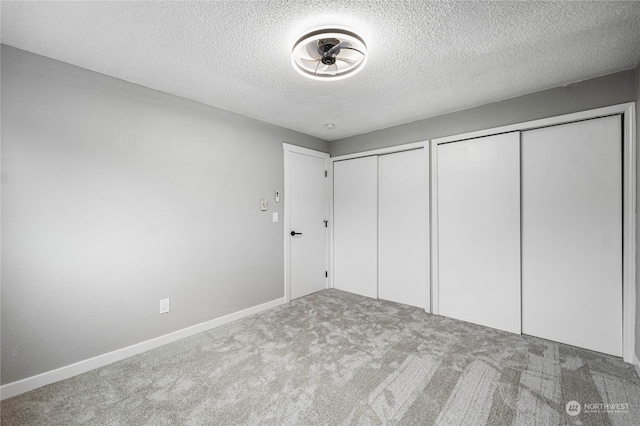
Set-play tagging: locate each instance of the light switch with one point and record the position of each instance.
(275, 216)
(263, 205)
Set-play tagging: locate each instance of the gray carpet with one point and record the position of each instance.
(335, 358)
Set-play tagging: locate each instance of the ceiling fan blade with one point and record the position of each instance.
(312, 51)
(336, 49)
(354, 49)
(346, 65)
(325, 70)
(310, 64)
(346, 60)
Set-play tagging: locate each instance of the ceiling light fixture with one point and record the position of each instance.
(329, 54)
(330, 126)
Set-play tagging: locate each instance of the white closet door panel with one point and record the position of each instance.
(355, 226)
(572, 234)
(402, 228)
(479, 231)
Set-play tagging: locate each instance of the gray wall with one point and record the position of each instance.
(604, 91)
(115, 196)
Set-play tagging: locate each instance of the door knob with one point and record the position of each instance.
(295, 233)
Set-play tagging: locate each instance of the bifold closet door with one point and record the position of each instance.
(403, 256)
(355, 226)
(479, 231)
(572, 234)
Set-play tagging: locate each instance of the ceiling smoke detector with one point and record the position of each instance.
(329, 54)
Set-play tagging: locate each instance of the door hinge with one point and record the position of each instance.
(326, 274)
(325, 173)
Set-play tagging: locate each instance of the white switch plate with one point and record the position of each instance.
(164, 306)
(263, 205)
(275, 216)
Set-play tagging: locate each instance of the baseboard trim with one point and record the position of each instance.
(636, 364)
(30, 383)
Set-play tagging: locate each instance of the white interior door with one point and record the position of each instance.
(572, 234)
(479, 231)
(307, 213)
(355, 225)
(403, 255)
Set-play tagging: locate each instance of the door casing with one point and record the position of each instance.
(288, 151)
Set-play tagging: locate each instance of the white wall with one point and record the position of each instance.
(115, 196)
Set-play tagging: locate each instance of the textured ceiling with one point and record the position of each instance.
(425, 58)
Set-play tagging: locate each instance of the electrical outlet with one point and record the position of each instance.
(263, 205)
(164, 306)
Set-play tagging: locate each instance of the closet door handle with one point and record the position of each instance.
(295, 233)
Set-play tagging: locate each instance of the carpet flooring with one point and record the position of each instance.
(334, 358)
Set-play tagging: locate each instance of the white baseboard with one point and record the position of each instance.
(30, 383)
(636, 364)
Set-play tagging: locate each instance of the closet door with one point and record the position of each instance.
(572, 234)
(402, 228)
(479, 231)
(355, 226)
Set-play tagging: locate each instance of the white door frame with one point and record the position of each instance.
(628, 208)
(288, 149)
